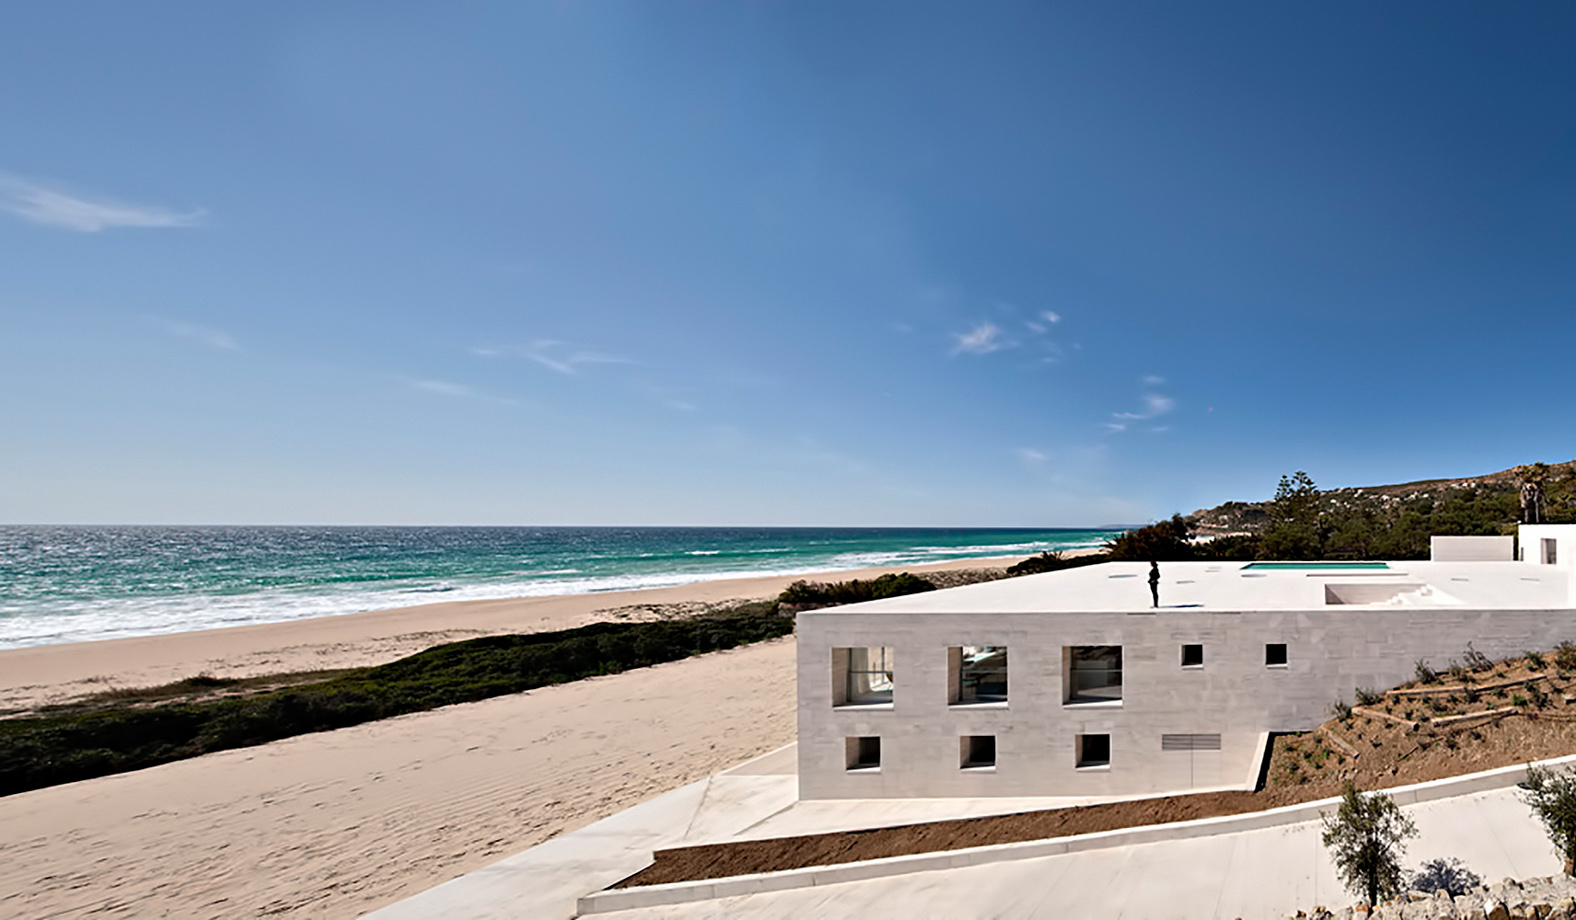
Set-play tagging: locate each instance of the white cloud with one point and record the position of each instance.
(207, 337)
(556, 356)
(457, 391)
(1051, 316)
(444, 388)
(981, 340)
(1154, 405)
(1031, 456)
(53, 208)
(1154, 380)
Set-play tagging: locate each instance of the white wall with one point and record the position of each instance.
(1472, 549)
(1331, 652)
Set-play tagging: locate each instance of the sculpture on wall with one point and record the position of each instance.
(1531, 501)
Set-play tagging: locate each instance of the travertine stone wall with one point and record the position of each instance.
(1331, 651)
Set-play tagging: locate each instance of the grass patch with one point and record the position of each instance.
(65, 747)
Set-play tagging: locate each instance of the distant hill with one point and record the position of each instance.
(1251, 517)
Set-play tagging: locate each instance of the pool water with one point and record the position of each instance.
(1317, 565)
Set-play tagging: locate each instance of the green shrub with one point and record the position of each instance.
(820, 594)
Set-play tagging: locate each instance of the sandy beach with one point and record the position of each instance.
(339, 823)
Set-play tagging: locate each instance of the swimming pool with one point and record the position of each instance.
(1327, 566)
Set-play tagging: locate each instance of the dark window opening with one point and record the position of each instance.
(1275, 654)
(979, 751)
(1192, 656)
(864, 753)
(1094, 750)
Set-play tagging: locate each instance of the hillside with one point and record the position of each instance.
(1252, 517)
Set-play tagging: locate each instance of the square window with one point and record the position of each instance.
(982, 674)
(1094, 750)
(1094, 673)
(1275, 654)
(863, 753)
(1192, 656)
(861, 676)
(978, 751)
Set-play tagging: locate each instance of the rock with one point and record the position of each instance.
(1494, 909)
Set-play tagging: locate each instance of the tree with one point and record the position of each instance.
(1366, 838)
(1164, 541)
(1552, 797)
(1296, 522)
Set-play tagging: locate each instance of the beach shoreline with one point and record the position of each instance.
(51, 674)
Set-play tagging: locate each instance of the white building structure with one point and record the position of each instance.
(1071, 684)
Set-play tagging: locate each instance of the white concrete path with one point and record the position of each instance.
(1254, 875)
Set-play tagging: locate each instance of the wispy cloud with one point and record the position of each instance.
(458, 391)
(205, 336)
(1051, 316)
(1031, 457)
(566, 359)
(1155, 405)
(51, 207)
(981, 340)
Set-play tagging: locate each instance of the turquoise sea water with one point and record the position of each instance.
(69, 584)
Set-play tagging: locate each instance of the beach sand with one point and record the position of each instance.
(339, 823)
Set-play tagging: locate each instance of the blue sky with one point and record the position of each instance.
(774, 263)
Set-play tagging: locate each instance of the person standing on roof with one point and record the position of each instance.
(1154, 582)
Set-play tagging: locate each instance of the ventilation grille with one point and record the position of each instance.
(1190, 742)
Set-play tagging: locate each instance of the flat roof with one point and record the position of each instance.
(1236, 586)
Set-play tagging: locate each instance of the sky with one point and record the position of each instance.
(809, 263)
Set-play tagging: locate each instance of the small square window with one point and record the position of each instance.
(1192, 656)
(863, 753)
(1275, 654)
(978, 751)
(1094, 751)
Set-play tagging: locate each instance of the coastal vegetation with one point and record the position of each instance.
(805, 595)
(1303, 522)
(129, 730)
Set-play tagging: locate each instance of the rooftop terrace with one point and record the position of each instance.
(1243, 586)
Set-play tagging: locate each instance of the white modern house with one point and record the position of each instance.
(1070, 683)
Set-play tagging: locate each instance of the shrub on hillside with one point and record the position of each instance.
(806, 594)
(1054, 562)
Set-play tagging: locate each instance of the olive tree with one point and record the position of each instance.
(1552, 797)
(1366, 838)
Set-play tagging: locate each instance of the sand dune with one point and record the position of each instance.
(336, 824)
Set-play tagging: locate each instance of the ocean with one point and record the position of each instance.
(72, 584)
